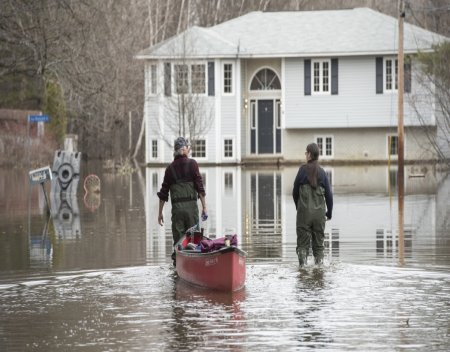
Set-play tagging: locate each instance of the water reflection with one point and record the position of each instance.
(387, 242)
(104, 230)
(41, 247)
(265, 214)
(99, 277)
(119, 225)
(259, 208)
(331, 243)
(311, 288)
(196, 310)
(66, 215)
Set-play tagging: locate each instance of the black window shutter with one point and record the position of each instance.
(379, 74)
(407, 77)
(211, 78)
(167, 79)
(307, 72)
(334, 76)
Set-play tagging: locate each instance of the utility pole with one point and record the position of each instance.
(400, 132)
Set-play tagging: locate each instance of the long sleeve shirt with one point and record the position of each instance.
(302, 179)
(186, 169)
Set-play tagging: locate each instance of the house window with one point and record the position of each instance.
(253, 114)
(198, 79)
(252, 126)
(278, 114)
(265, 79)
(154, 148)
(228, 148)
(153, 79)
(190, 79)
(199, 148)
(321, 74)
(181, 79)
(228, 78)
(390, 74)
(325, 144)
(167, 79)
(393, 145)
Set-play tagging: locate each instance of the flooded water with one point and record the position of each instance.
(96, 275)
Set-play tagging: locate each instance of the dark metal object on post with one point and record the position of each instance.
(66, 171)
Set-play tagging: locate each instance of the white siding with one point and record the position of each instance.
(356, 105)
(358, 144)
(228, 111)
(228, 123)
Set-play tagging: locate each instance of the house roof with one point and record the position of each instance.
(359, 31)
(194, 42)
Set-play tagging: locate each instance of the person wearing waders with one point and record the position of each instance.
(314, 202)
(182, 180)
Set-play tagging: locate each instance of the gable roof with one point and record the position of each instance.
(359, 31)
(194, 42)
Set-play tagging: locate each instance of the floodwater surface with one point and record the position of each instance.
(95, 274)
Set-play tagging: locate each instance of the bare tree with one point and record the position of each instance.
(189, 111)
(434, 78)
(187, 115)
(88, 46)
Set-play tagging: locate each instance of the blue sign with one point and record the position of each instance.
(38, 118)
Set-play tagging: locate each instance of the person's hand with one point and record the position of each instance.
(161, 219)
(328, 216)
(204, 214)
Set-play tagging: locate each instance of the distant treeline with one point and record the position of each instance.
(74, 59)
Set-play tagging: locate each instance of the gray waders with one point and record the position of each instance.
(310, 223)
(184, 210)
(184, 205)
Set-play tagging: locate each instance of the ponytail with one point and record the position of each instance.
(312, 167)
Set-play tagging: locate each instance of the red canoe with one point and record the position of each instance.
(222, 269)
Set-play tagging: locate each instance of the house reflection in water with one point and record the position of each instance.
(257, 205)
(265, 213)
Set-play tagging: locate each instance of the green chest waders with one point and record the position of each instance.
(183, 197)
(310, 223)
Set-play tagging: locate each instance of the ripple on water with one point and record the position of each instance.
(336, 307)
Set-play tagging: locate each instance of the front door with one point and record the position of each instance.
(265, 127)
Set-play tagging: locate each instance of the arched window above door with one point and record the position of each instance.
(265, 79)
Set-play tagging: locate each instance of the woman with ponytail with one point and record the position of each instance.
(314, 202)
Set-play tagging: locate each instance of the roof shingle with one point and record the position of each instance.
(359, 31)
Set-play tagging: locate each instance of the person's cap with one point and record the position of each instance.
(180, 142)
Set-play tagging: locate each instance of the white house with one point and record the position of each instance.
(264, 85)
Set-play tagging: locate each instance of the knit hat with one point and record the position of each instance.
(180, 142)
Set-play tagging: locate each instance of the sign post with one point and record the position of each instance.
(39, 176)
(40, 119)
